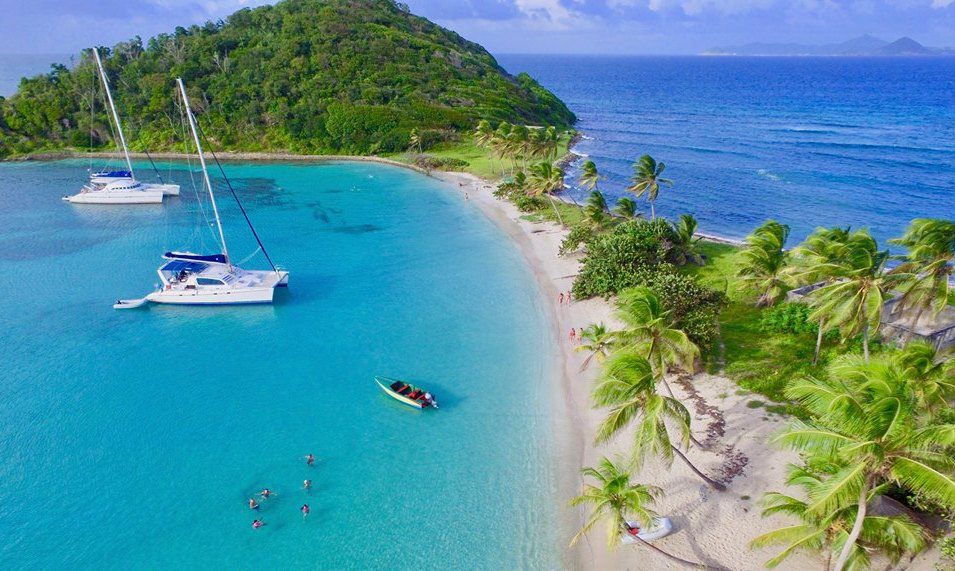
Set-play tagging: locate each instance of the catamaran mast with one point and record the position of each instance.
(202, 160)
(109, 97)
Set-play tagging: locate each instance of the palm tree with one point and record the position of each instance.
(589, 177)
(646, 180)
(628, 388)
(483, 133)
(895, 535)
(763, 262)
(649, 330)
(931, 252)
(598, 340)
(865, 419)
(822, 257)
(932, 375)
(854, 302)
(520, 141)
(414, 139)
(615, 498)
(626, 207)
(684, 247)
(545, 179)
(500, 142)
(552, 141)
(596, 209)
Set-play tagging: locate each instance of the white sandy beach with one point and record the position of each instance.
(710, 527)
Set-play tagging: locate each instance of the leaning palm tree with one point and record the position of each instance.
(552, 141)
(628, 388)
(684, 246)
(854, 302)
(827, 532)
(483, 133)
(520, 139)
(589, 177)
(865, 418)
(646, 180)
(928, 265)
(822, 257)
(763, 262)
(614, 498)
(626, 207)
(596, 210)
(931, 372)
(500, 142)
(414, 140)
(598, 340)
(546, 179)
(648, 329)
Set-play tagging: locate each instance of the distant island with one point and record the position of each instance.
(862, 46)
(302, 76)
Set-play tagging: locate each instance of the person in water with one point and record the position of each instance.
(308, 485)
(253, 505)
(266, 493)
(309, 460)
(256, 524)
(305, 510)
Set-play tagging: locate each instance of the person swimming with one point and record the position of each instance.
(309, 459)
(308, 485)
(256, 524)
(253, 505)
(267, 493)
(305, 510)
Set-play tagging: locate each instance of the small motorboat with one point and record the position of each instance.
(406, 393)
(660, 527)
(129, 303)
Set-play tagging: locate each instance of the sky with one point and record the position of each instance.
(520, 26)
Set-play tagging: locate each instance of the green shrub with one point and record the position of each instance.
(788, 318)
(579, 235)
(527, 203)
(624, 257)
(694, 308)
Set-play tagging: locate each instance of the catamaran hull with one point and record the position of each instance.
(103, 197)
(191, 297)
(167, 189)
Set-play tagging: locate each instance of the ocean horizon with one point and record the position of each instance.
(865, 142)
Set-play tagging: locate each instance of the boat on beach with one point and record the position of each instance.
(406, 393)
(660, 527)
(189, 278)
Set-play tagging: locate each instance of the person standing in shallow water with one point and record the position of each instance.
(308, 486)
(309, 460)
(253, 505)
(305, 511)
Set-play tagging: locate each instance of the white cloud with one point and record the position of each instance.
(942, 3)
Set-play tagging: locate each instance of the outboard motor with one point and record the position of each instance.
(430, 400)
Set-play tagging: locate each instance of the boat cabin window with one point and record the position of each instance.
(209, 281)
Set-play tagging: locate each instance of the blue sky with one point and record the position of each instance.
(521, 26)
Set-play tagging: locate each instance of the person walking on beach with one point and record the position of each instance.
(580, 336)
(573, 334)
(309, 460)
(305, 510)
(568, 298)
(308, 486)
(253, 505)
(560, 299)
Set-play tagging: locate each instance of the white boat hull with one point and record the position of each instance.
(116, 197)
(167, 189)
(225, 295)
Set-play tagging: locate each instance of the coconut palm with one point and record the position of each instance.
(895, 535)
(646, 180)
(414, 140)
(865, 418)
(932, 375)
(627, 387)
(928, 265)
(551, 141)
(589, 177)
(483, 133)
(520, 143)
(596, 210)
(763, 261)
(615, 498)
(626, 207)
(822, 257)
(649, 330)
(683, 248)
(854, 302)
(546, 179)
(598, 340)
(500, 142)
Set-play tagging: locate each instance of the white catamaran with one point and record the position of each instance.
(194, 279)
(120, 186)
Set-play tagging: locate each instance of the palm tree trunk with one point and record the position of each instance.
(815, 357)
(865, 343)
(670, 556)
(653, 212)
(713, 483)
(856, 528)
(557, 212)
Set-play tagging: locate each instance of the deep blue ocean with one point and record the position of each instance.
(133, 439)
(865, 142)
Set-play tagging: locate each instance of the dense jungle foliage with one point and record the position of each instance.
(307, 76)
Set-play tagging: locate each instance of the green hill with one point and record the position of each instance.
(306, 76)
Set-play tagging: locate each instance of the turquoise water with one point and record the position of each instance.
(133, 439)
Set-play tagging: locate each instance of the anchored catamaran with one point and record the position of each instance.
(195, 279)
(121, 186)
